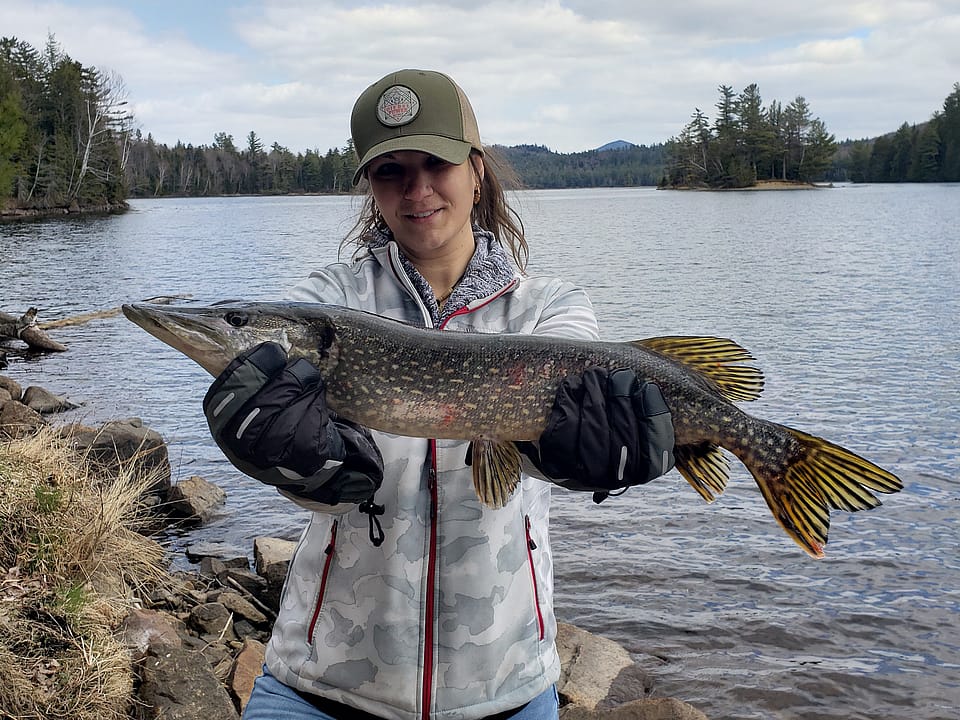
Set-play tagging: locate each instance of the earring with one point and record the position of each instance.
(476, 194)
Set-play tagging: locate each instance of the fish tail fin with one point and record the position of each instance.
(705, 467)
(817, 475)
(496, 471)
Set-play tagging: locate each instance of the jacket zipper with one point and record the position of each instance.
(431, 587)
(430, 609)
(323, 580)
(531, 546)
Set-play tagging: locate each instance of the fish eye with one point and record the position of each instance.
(236, 318)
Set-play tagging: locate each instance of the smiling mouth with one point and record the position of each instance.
(421, 215)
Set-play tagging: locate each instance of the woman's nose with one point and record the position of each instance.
(419, 185)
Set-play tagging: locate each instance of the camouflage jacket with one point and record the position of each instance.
(452, 616)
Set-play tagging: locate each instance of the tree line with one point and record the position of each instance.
(747, 142)
(67, 138)
(928, 152)
(155, 170)
(64, 129)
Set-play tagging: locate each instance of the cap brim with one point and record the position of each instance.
(453, 151)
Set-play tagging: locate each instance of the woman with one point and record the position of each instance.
(406, 597)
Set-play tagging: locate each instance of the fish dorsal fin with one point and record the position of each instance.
(717, 359)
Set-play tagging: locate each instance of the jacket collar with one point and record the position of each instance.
(489, 271)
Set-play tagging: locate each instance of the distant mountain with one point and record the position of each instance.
(539, 167)
(616, 145)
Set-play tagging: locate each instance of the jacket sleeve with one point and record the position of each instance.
(567, 313)
(321, 286)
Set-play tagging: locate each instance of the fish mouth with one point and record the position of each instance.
(198, 336)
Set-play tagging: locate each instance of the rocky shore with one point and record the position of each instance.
(198, 642)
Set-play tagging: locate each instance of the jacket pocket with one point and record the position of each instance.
(531, 546)
(327, 563)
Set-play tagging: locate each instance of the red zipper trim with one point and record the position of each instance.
(323, 580)
(531, 546)
(473, 308)
(431, 588)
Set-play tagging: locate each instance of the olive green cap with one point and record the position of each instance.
(414, 110)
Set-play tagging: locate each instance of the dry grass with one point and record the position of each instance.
(71, 566)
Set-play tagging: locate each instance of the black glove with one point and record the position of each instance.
(270, 418)
(607, 431)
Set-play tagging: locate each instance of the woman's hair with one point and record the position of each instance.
(492, 213)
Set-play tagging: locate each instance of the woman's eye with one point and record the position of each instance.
(387, 170)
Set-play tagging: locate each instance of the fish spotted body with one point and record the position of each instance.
(498, 389)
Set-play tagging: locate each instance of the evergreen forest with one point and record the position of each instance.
(68, 139)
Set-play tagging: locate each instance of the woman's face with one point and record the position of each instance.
(425, 201)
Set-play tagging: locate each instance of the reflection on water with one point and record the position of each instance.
(847, 298)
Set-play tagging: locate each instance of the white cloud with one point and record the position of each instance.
(570, 74)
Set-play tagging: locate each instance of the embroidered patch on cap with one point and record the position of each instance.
(398, 105)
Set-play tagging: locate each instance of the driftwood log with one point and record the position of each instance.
(25, 328)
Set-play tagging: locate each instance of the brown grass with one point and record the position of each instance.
(71, 567)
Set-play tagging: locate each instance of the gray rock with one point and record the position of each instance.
(122, 441)
(145, 628)
(45, 402)
(645, 709)
(271, 557)
(179, 684)
(212, 618)
(18, 421)
(590, 665)
(241, 607)
(11, 386)
(194, 499)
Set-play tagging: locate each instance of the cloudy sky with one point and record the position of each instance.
(568, 74)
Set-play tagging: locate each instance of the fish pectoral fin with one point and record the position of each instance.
(496, 471)
(705, 467)
(719, 360)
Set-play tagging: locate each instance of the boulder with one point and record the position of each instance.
(271, 557)
(240, 607)
(247, 667)
(45, 402)
(142, 629)
(645, 709)
(193, 500)
(179, 684)
(212, 619)
(11, 386)
(590, 665)
(119, 442)
(17, 420)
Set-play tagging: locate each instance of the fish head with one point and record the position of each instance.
(212, 336)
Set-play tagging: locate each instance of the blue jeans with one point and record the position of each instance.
(272, 700)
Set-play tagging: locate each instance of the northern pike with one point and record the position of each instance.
(495, 389)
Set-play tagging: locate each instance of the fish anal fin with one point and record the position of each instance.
(496, 471)
(705, 467)
(717, 359)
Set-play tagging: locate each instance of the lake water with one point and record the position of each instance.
(848, 297)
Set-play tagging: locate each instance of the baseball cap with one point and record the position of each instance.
(414, 110)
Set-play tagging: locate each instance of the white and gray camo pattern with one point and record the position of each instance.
(490, 613)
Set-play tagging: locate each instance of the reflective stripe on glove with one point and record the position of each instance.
(606, 431)
(271, 419)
